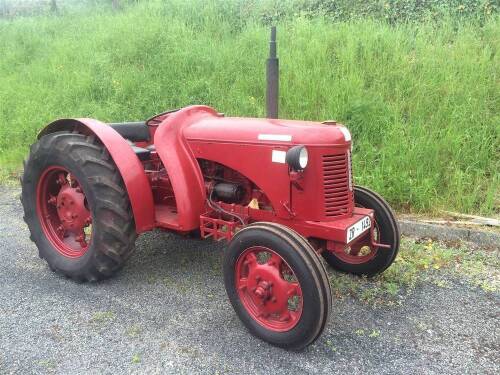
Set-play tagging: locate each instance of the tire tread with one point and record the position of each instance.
(117, 234)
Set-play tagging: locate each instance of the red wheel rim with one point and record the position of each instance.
(63, 212)
(268, 289)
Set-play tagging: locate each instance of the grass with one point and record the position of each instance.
(136, 359)
(133, 331)
(421, 262)
(421, 99)
(47, 364)
(102, 317)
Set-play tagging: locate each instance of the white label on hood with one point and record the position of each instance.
(279, 157)
(275, 137)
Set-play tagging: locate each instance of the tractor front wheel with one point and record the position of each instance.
(362, 258)
(277, 285)
(76, 206)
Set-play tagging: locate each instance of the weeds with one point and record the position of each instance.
(418, 262)
(102, 317)
(134, 331)
(47, 364)
(421, 99)
(136, 359)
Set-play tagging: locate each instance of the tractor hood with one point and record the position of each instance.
(258, 130)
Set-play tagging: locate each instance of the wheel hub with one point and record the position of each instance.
(266, 293)
(262, 291)
(64, 216)
(71, 208)
(268, 288)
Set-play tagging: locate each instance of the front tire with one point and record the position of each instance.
(376, 260)
(277, 285)
(76, 206)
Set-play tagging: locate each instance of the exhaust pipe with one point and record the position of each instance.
(272, 78)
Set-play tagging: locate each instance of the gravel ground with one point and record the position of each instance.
(167, 312)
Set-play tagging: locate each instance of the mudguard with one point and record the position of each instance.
(129, 166)
(182, 167)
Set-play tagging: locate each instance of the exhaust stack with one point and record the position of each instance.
(272, 78)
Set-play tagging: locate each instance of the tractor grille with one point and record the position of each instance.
(336, 182)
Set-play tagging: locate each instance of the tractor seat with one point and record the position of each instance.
(142, 153)
(133, 131)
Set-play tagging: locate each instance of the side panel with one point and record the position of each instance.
(253, 161)
(131, 170)
(182, 166)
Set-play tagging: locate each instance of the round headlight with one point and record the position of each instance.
(303, 157)
(297, 158)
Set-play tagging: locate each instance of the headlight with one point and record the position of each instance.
(297, 158)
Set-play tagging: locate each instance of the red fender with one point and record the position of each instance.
(182, 166)
(131, 169)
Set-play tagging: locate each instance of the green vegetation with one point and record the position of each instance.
(421, 98)
(419, 262)
(134, 331)
(47, 364)
(136, 358)
(102, 317)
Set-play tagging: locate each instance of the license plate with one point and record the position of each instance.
(354, 231)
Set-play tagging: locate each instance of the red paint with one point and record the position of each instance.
(217, 228)
(246, 130)
(234, 143)
(63, 215)
(196, 148)
(182, 168)
(131, 170)
(268, 289)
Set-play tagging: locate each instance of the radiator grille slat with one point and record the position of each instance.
(336, 184)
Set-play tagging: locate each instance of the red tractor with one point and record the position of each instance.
(280, 192)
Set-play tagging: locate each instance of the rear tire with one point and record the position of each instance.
(388, 234)
(75, 169)
(277, 285)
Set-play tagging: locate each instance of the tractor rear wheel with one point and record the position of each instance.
(361, 258)
(277, 285)
(76, 206)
